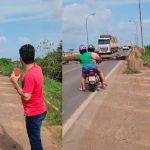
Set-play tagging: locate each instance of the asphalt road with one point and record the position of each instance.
(72, 97)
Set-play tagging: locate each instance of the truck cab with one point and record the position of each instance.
(107, 44)
(104, 45)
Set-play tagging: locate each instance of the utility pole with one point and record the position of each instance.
(141, 23)
(87, 26)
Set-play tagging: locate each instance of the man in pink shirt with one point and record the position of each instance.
(31, 94)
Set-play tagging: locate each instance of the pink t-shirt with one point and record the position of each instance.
(32, 83)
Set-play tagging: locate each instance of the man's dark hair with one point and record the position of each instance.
(27, 53)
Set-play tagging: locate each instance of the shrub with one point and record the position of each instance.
(6, 66)
(52, 63)
(146, 54)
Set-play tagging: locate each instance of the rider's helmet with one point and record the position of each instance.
(82, 49)
(91, 48)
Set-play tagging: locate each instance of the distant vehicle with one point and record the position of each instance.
(128, 43)
(125, 47)
(108, 44)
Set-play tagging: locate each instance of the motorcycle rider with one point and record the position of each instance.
(91, 49)
(86, 58)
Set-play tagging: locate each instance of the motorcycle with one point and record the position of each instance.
(93, 80)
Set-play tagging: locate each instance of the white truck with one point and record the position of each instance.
(107, 44)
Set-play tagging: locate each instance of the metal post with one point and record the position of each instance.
(87, 27)
(141, 23)
(87, 40)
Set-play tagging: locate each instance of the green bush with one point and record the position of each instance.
(6, 66)
(146, 54)
(52, 91)
(52, 63)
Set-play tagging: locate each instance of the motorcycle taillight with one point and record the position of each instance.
(91, 73)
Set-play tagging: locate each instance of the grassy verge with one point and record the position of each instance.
(52, 92)
(131, 71)
(146, 55)
(53, 95)
(6, 66)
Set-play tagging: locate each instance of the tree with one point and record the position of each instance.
(52, 62)
(45, 46)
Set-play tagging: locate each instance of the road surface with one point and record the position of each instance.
(72, 97)
(117, 118)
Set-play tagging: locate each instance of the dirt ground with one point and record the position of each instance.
(117, 118)
(13, 134)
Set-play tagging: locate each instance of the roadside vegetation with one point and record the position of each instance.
(6, 66)
(53, 98)
(52, 69)
(136, 60)
(131, 71)
(51, 63)
(146, 55)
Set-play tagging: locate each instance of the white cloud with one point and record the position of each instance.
(75, 13)
(13, 10)
(106, 2)
(3, 39)
(73, 16)
(74, 23)
(23, 40)
(146, 21)
(57, 5)
(128, 31)
(118, 2)
(124, 25)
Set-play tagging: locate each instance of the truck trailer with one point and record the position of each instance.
(108, 44)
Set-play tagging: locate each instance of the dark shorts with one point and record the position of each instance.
(86, 68)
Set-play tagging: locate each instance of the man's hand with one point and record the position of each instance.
(14, 79)
(98, 61)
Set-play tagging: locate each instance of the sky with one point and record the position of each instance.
(112, 17)
(28, 22)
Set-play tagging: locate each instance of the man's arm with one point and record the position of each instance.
(14, 80)
(78, 57)
(99, 58)
(96, 57)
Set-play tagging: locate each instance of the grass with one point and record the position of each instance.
(6, 66)
(131, 71)
(52, 91)
(146, 55)
(53, 94)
